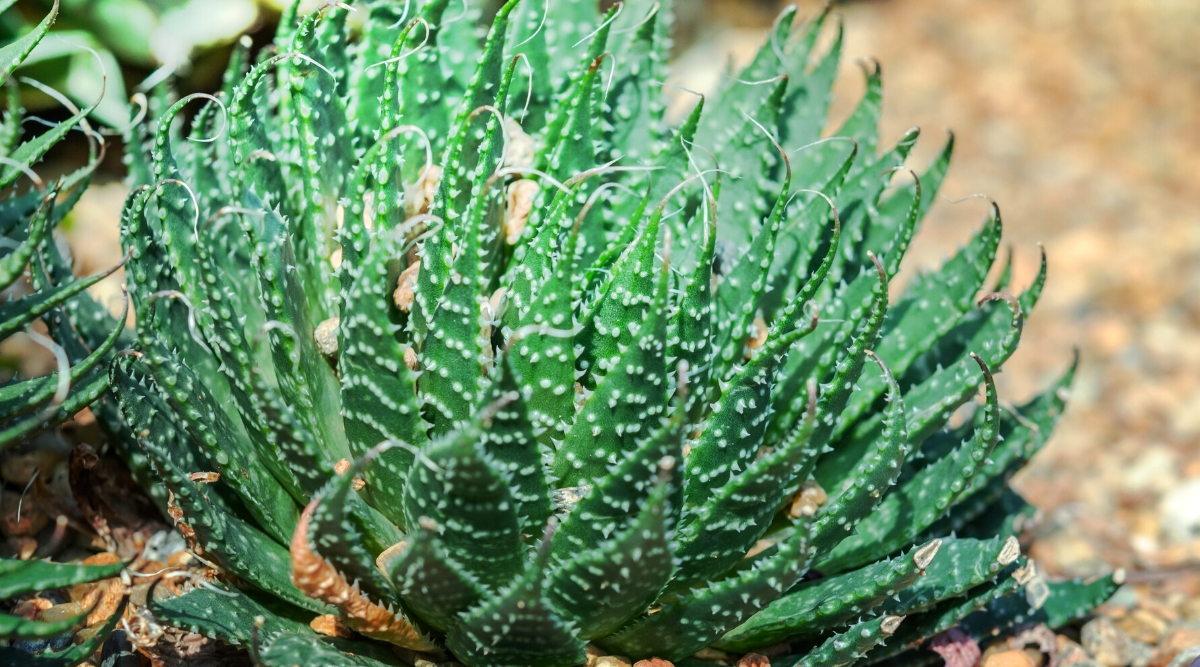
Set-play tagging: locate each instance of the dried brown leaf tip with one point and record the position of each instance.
(330, 626)
(319, 580)
(204, 477)
(520, 205)
(406, 287)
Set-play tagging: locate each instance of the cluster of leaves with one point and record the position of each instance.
(25, 578)
(41, 291)
(462, 344)
(91, 41)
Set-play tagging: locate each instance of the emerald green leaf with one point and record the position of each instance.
(430, 580)
(608, 506)
(374, 374)
(856, 503)
(848, 647)
(290, 649)
(68, 657)
(23, 577)
(631, 397)
(31, 151)
(728, 440)
(85, 393)
(514, 449)
(225, 613)
(550, 386)
(947, 615)
(682, 627)
(915, 505)
(962, 565)
(831, 602)
(15, 52)
(604, 587)
(453, 193)
(714, 536)
(15, 315)
(13, 263)
(337, 538)
(455, 484)
(21, 397)
(737, 296)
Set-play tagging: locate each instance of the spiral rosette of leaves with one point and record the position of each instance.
(486, 360)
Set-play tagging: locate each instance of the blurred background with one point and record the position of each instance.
(1081, 118)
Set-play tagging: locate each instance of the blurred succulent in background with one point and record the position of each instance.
(92, 40)
(450, 348)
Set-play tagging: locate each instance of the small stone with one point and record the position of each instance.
(957, 648)
(654, 662)
(1009, 658)
(1163, 610)
(1069, 652)
(1106, 643)
(1180, 509)
(593, 653)
(1142, 653)
(63, 611)
(1143, 626)
(754, 660)
(808, 499)
(326, 336)
(1177, 640)
(760, 334)
(1186, 658)
(1191, 609)
(611, 661)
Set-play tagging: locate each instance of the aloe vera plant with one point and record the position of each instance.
(459, 345)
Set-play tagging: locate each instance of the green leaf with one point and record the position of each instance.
(68, 657)
(604, 587)
(848, 647)
(517, 626)
(514, 449)
(29, 152)
(855, 504)
(631, 397)
(914, 506)
(682, 627)
(455, 484)
(14, 53)
(374, 376)
(23, 577)
(13, 263)
(429, 579)
(831, 602)
(717, 534)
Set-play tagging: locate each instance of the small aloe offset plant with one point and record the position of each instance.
(39, 288)
(452, 348)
